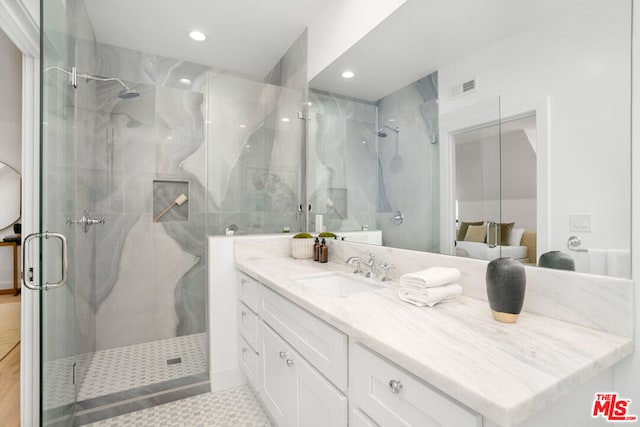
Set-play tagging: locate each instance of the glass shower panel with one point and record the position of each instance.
(254, 156)
(58, 169)
(342, 162)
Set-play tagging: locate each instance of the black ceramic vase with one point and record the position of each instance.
(558, 260)
(506, 284)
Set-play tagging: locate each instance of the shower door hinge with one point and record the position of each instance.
(74, 77)
(301, 116)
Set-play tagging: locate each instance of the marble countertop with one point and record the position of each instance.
(506, 372)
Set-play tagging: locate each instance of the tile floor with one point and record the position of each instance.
(235, 407)
(124, 368)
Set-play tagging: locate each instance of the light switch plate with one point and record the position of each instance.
(580, 222)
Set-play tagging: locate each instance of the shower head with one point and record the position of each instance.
(125, 93)
(133, 123)
(383, 134)
(128, 93)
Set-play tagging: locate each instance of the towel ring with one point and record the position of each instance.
(573, 244)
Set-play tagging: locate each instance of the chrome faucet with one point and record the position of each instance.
(358, 261)
(372, 267)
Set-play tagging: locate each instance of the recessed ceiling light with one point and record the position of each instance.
(185, 81)
(348, 74)
(392, 120)
(285, 119)
(198, 36)
(364, 142)
(243, 126)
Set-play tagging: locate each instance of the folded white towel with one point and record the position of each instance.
(431, 277)
(430, 296)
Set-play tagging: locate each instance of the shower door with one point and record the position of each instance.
(59, 190)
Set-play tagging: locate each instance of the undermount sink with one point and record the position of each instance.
(339, 284)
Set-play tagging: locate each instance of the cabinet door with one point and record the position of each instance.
(320, 404)
(278, 378)
(393, 398)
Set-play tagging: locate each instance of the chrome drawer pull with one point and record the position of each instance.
(395, 386)
(290, 362)
(283, 355)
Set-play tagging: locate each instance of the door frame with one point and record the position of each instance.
(483, 114)
(19, 24)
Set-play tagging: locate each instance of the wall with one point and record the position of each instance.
(151, 275)
(580, 60)
(10, 129)
(503, 186)
(409, 166)
(340, 25)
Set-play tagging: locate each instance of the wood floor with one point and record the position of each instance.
(10, 380)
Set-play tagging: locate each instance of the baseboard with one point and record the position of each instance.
(227, 378)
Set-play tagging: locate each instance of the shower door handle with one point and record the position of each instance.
(64, 263)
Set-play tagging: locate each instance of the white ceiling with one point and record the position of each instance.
(250, 36)
(422, 36)
(246, 36)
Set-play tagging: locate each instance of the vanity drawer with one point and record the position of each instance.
(249, 292)
(321, 344)
(249, 361)
(392, 397)
(248, 324)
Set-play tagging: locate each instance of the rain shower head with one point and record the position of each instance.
(383, 134)
(128, 93)
(125, 93)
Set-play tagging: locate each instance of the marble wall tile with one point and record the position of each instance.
(342, 156)
(409, 166)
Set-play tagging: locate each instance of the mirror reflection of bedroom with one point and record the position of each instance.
(495, 185)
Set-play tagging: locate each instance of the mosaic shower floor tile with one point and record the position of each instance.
(234, 407)
(124, 368)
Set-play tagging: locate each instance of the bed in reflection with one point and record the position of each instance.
(516, 243)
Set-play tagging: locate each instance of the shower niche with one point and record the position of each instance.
(170, 201)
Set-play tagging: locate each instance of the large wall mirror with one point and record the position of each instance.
(482, 129)
(9, 196)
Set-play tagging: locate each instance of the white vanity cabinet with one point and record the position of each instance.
(295, 393)
(303, 369)
(295, 361)
(248, 328)
(389, 396)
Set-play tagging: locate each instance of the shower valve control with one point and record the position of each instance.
(86, 221)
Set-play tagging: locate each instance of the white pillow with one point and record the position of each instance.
(516, 236)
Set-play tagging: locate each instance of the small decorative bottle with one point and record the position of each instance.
(316, 250)
(324, 252)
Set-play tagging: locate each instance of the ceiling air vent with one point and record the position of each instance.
(466, 87)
